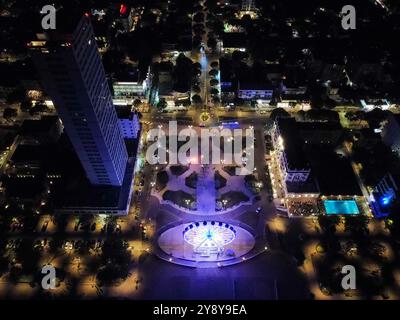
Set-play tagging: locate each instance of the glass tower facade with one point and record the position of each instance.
(72, 73)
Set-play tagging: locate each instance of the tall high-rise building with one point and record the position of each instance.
(72, 74)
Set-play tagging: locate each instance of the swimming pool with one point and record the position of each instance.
(341, 207)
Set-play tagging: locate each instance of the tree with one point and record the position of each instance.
(211, 5)
(238, 56)
(214, 91)
(183, 72)
(216, 100)
(25, 105)
(197, 39)
(358, 226)
(328, 224)
(28, 256)
(214, 64)
(376, 116)
(376, 160)
(197, 99)
(17, 95)
(301, 115)
(214, 82)
(212, 43)
(318, 94)
(279, 113)
(199, 32)
(110, 273)
(355, 116)
(198, 27)
(9, 113)
(196, 72)
(322, 115)
(162, 180)
(162, 104)
(197, 65)
(213, 72)
(137, 103)
(39, 107)
(330, 103)
(4, 265)
(112, 60)
(196, 42)
(196, 89)
(198, 17)
(115, 251)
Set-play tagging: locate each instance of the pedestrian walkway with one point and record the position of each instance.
(206, 191)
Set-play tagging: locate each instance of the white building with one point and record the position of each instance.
(72, 74)
(288, 144)
(128, 122)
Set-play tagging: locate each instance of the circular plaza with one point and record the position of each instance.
(206, 243)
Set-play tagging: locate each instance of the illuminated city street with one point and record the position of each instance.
(199, 150)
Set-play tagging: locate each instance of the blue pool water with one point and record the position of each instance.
(341, 207)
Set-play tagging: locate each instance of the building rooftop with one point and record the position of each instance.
(234, 40)
(29, 153)
(124, 112)
(126, 73)
(67, 21)
(334, 173)
(245, 85)
(318, 125)
(293, 143)
(225, 67)
(79, 194)
(31, 127)
(24, 188)
(310, 186)
(294, 77)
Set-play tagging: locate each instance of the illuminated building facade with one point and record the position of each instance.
(288, 144)
(386, 194)
(72, 74)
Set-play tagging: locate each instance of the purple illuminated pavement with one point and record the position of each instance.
(180, 251)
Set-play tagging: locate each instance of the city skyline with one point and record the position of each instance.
(217, 151)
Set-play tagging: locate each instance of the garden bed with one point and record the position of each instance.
(180, 198)
(162, 180)
(219, 180)
(231, 170)
(232, 199)
(178, 170)
(191, 181)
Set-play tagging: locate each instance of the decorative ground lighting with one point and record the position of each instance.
(204, 116)
(209, 237)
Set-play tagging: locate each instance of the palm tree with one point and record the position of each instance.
(214, 91)
(197, 99)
